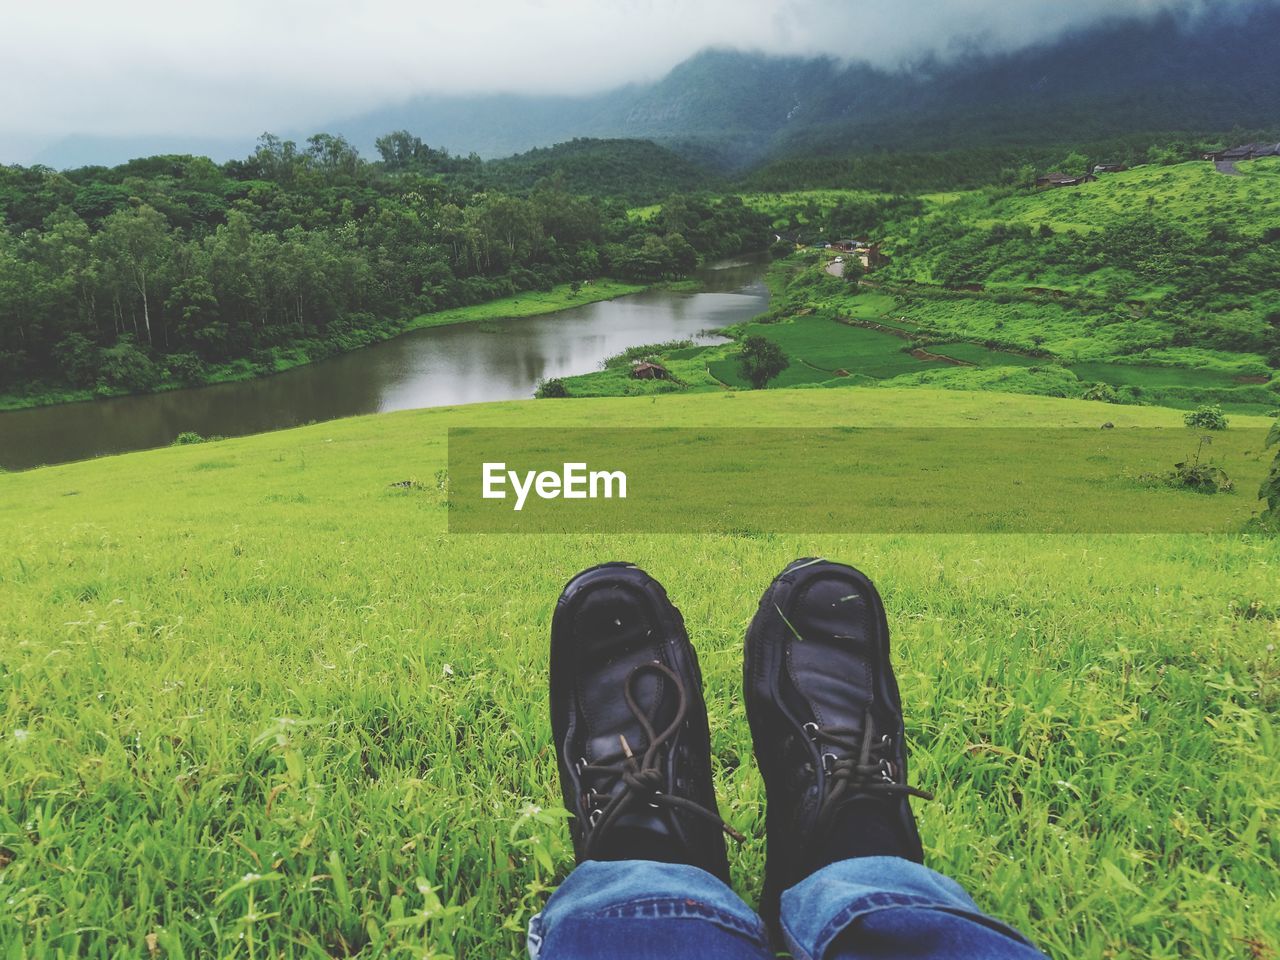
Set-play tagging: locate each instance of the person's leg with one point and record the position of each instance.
(889, 908)
(645, 910)
(844, 874)
(634, 752)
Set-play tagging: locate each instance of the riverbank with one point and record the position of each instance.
(530, 303)
(501, 350)
(837, 334)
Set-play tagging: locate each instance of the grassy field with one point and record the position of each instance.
(819, 347)
(825, 326)
(1194, 194)
(255, 702)
(532, 303)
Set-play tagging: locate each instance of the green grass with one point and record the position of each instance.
(529, 304)
(984, 356)
(1146, 376)
(1150, 376)
(781, 204)
(818, 347)
(1193, 194)
(255, 702)
(877, 307)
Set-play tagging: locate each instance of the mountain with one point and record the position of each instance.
(1213, 72)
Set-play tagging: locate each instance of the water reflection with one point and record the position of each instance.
(466, 363)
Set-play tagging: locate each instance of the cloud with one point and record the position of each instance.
(241, 66)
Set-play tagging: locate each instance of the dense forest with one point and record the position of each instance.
(983, 165)
(164, 268)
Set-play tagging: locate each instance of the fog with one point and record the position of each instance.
(238, 67)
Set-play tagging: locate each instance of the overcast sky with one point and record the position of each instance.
(234, 67)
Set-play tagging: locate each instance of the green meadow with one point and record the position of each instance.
(531, 303)
(1157, 281)
(1193, 344)
(1193, 194)
(822, 348)
(256, 702)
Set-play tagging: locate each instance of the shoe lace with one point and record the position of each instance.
(645, 780)
(858, 768)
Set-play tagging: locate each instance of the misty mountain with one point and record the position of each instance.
(733, 109)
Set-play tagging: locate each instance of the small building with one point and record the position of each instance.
(1059, 179)
(649, 371)
(1109, 168)
(1247, 151)
(864, 251)
(871, 257)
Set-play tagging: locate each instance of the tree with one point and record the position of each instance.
(403, 151)
(761, 360)
(1075, 165)
(1270, 490)
(137, 240)
(333, 155)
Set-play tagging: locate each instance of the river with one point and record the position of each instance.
(439, 366)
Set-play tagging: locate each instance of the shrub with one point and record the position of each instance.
(1207, 418)
(1103, 392)
(550, 389)
(187, 437)
(1194, 474)
(186, 367)
(1270, 490)
(124, 365)
(79, 358)
(1200, 477)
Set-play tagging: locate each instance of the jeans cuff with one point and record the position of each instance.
(600, 891)
(843, 893)
(874, 903)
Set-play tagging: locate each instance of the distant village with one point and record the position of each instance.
(869, 256)
(1250, 151)
(864, 251)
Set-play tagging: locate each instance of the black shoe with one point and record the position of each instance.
(630, 724)
(826, 719)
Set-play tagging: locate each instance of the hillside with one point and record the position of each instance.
(336, 741)
(635, 171)
(1193, 195)
(1154, 285)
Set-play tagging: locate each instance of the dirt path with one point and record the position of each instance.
(922, 354)
(1228, 167)
(835, 269)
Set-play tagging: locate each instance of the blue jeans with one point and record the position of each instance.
(880, 907)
